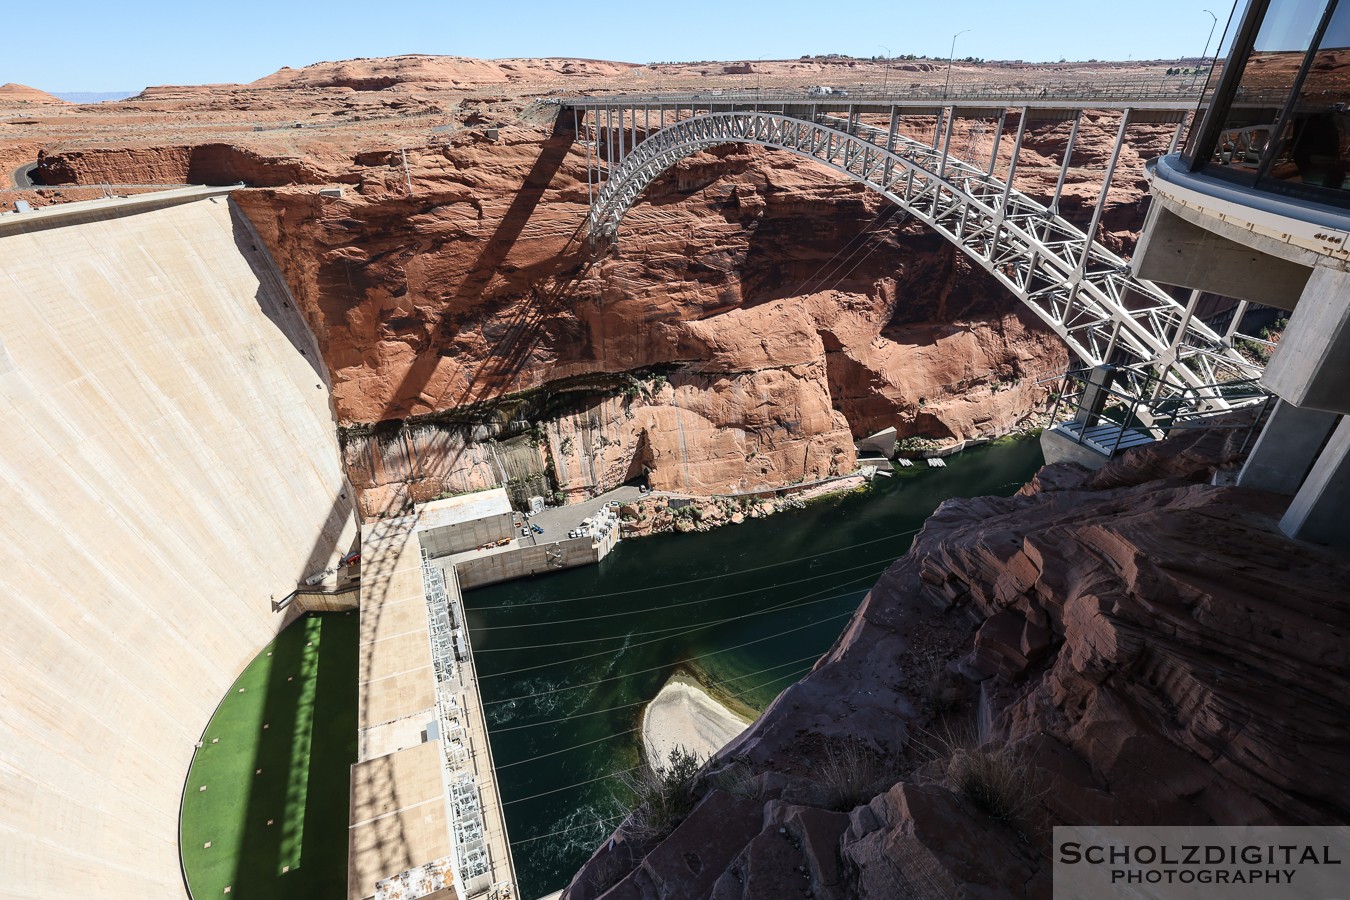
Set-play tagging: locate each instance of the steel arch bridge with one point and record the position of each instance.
(1079, 288)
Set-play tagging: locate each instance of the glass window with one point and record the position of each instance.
(1215, 74)
(1268, 77)
(1314, 148)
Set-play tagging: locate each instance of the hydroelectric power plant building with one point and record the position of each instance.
(170, 463)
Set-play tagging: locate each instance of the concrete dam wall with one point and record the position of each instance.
(168, 462)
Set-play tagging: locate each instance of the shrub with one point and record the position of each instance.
(738, 780)
(994, 779)
(943, 690)
(663, 795)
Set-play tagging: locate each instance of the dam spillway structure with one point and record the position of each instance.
(170, 462)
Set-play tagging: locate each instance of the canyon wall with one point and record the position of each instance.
(758, 314)
(169, 463)
(1130, 647)
(783, 311)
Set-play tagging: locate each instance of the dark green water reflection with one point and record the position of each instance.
(565, 661)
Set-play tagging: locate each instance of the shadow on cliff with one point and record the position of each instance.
(274, 297)
(516, 337)
(512, 339)
(509, 338)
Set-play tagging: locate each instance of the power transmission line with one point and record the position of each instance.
(598, 712)
(573, 687)
(787, 604)
(658, 587)
(665, 606)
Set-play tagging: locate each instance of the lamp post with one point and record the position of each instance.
(950, 57)
(885, 78)
(1212, 26)
(759, 75)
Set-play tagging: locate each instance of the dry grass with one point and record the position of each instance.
(995, 779)
(943, 690)
(855, 773)
(738, 780)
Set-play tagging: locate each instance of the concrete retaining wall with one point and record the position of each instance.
(462, 536)
(167, 462)
(522, 561)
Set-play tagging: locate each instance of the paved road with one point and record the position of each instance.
(557, 521)
(23, 175)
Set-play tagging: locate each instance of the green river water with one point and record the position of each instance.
(566, 661)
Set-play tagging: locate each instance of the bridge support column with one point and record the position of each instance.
(1287, 448)
(1064, 165)
(1238, 314)
(1176, 136)
(1318, 510)
(1106, 189)
(947, 142)
(586, 118)
(998, 137)
(1095, 394)
(890, 144)
(1012, 165)
(609, 139)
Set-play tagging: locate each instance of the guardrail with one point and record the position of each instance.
(1064, 92)
(1159, 407)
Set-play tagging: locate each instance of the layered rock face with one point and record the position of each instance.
(1130, 647)
(758, 314)
(785, 312)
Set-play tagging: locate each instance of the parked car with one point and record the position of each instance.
(537, 528)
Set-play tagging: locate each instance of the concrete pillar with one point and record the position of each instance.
(1287, 448)
(1321, 508)
(1312, 365)
(1095, 394)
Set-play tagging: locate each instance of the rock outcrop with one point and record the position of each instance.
(1134, 646)
(23, 94)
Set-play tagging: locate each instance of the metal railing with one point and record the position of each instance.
(1075, 92)
(1157, 407)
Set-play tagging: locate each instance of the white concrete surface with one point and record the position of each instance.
(167, 462)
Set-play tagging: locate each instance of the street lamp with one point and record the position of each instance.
(759, 75)
(950, 57)
(885, 79)
(1212, 26)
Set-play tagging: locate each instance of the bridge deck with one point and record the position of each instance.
(918, 100)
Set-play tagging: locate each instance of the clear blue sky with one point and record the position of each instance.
(95, 45)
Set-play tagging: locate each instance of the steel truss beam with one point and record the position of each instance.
(1078, 287)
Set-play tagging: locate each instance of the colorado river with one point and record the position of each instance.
(566, 661)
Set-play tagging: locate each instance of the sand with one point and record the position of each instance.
(683, 714)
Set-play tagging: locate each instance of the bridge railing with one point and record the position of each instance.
(1139, 400)
(984, 91)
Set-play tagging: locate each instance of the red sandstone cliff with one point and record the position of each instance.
(758, 314)
(1130, 647)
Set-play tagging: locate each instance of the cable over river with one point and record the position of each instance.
(567, 661)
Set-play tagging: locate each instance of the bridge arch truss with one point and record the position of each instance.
(1078, 287)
